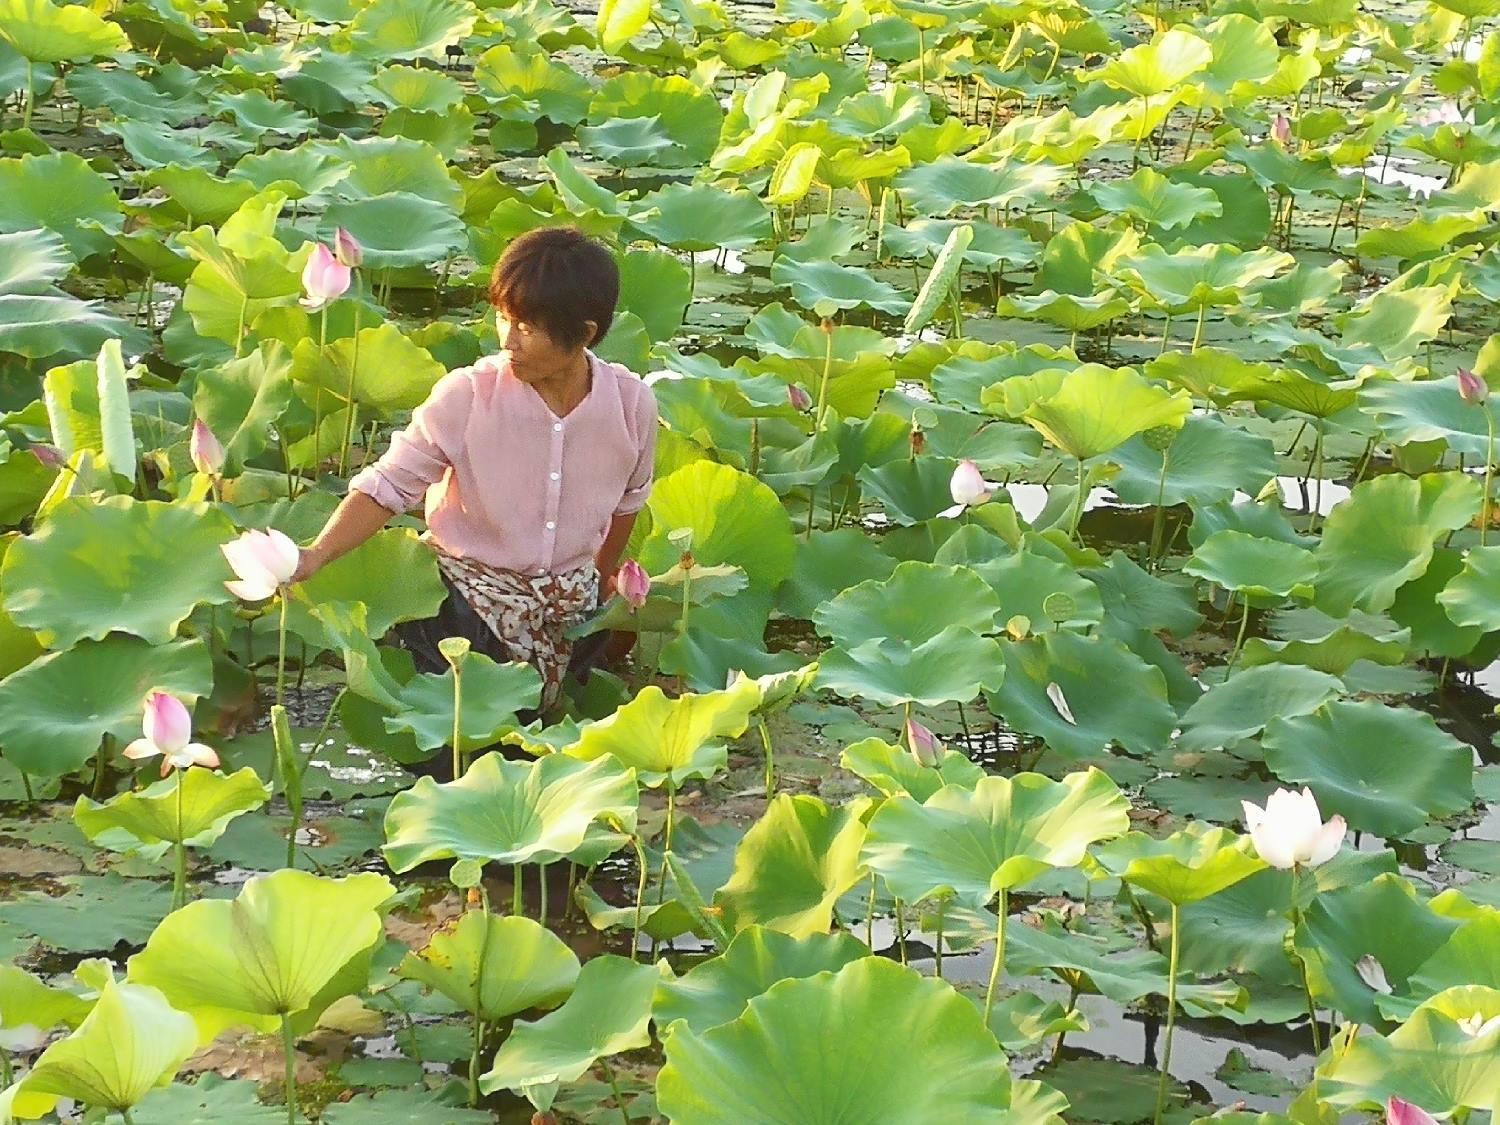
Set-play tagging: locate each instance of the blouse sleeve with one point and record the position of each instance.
(420, 454)
(638, 487)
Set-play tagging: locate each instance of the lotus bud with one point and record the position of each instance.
(48, 455)
(966, 485)
(1477, 1027)
(324, 279)
(925, 746)
(1372, 972)
(205, 450)
(798, 398)
(166, 729)
(1289, 832)
(1471, 388)
(1398, 1112)
(1281, 130)
(347, 250)
(633, 583)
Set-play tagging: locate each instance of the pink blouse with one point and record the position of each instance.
(509, 483)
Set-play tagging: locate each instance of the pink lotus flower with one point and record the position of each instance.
(1289, 832)
(324, 279)
(48, 455)
(925, 746)
(633, 583)
(799, 398)
(205, 450)
(1398, 1112)
(1281, 130)
(263, 560)
(1471, 388)
(968, 488)
(167, 728)
(347, 250)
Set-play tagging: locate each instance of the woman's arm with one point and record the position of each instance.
(357, 518)
(608, 558)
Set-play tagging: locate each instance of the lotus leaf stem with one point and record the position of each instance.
(1078, 500)
(179, 875)
(484, 949)
(1166, 1053)
(458, 698)
(239, 333)
(572, 886)
(1312, 1010)
(6, 1077)
(1239, 640)
(1198, 332)
(1158, 518)
(765, 741)
(938, 945)
(106, 744)
(318, 397)
(901, 929)
(281, 652)
(26, 785)
(542, 909)
(349, 396)
(517, 901)
(124, 1113)
(870, 913)
(666, 851)
(1489, 460)
(823, 383)
(998, 963)
(289, 1051)
(615, 1088)
(640, 893)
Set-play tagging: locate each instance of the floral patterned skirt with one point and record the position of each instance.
(510, 616)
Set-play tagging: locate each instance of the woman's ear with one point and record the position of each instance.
(593, 331)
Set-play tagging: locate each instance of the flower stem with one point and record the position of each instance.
(1078, 501)
(640, 893)
(765, 741)
(615, 1087)
(938, 949)
(179, 875)
(1489, 458)
(1158, 518)
(289, 1051)
(1312, 1011)
(1240, 639)
(1166, 1054)
(281, 654)
(823, 382)
(458, 697)
(997, 965)
(666, 850)
(870, 914)
(517, 899)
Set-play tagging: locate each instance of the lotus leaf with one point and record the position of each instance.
(398, 228)
(1258, 568)
(820, 284)
(952, 182)
(717, 1076)
(1154, 68)
(702, 217)
(1197, 277)
(529, 84)
(1097, 408)
(492, 695)
(1427, 410)
(916, 603)
(410, 29)
(59, 191)
(1188, 866)
(1157, 201)
(240, 401)
(269, 953)
(951, 667)
(152, 820)
(666, 741)
(1244, 704)
(495, 967)
(894, 771)
(687, 118)
(1207, 462)
(391, 372)
(508, 812)
(734, 518)
(1386, 769)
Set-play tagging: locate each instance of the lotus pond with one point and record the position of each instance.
(1063, 691)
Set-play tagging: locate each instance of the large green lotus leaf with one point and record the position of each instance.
(656, 287)
(492, 694)
(911, 490)
(685, 114)
(1471, 598)
(717, 1076)
(894, 771)
(918, 601)
(495, 967)
(609, 1012)
(363, 576)
(1207, 462)
(1156, 67)
(48, 33)
(1259, 568)
(1066, 310)
(993, 245)
(508, 812)
(1470, 955)
(1428, 410)
(1147, 601)
(54, 711)
(254, 115)
(24, 1000)
(827, 563)
(946, 184)
(225, 287)
(414, 88)
(410, 29)
(1098, 408)
(1242, 705)
(1188, 866)
(1155, 200)
(445, 1106)
(1384, 919)
(93, 914)
(58, 192)
(131, 1042)
(702, 217)
(529, 84)
(668, 740)
(1382, 537)
(619, 21)
(793, 865)
(662, 611)
(119, 564)
(149, 821)
(1386, 769)
(1006, 831)
(820, 282)
(1134, 714)
(1025, 580)
(391, 372)
(1430, 1060)
(388, 164)
(1199, 276)
(267, 954)
(734, 518)
(716, 991)
(296, 172)
(1420, 608)
(364, 668)
(398, 228)
(951, 667)
(1391, 325)
(241, 400)
(209, 1100)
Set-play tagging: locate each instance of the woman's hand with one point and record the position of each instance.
(309, 562)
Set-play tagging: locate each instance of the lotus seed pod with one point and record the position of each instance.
(1160, 438)
(1058, 607)
(455, 650)
(466, 873)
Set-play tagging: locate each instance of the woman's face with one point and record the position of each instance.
(535, 355)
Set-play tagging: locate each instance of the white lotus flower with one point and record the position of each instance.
(1289, 832)
(263, 561)
(968, 488)
(1477, 1027)
(1372, 972)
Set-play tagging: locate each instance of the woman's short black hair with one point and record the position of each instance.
(557, 278)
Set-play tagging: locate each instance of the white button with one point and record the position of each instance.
(556, 475)
(557, 426)
(550, 525)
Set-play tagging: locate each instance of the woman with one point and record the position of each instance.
(534, 464)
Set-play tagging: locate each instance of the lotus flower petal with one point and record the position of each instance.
(204, 449)
(1471, 388)
(167, 724)
(1060, 702)
(633, 583)
(140, 749)
(925, 746)
(1372, 972)
(1327, 842)
(251, 591)
(346, 249)
(324, 278)
(1398, 1112)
